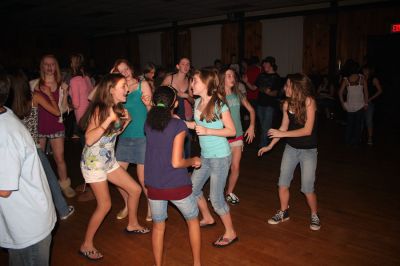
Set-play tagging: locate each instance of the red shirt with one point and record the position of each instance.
(252, 73)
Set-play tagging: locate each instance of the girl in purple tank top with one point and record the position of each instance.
(50, 126)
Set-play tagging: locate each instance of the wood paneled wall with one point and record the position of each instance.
(355, 26)
(24, 49)
(353, 29)
(184, 44)
(229, 41)
(316, 43)
(253, 39)
(167, 47)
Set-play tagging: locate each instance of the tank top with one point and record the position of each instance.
(305, 142)
(234, 106)
(185, 109)
(49, 123)
(138, 112)
(355, 95)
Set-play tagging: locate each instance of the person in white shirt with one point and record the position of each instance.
(27, 214)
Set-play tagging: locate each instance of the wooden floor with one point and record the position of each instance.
(359, 203)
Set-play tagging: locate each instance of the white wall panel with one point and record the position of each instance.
(150, 48)
(283, 39)
(206, 45)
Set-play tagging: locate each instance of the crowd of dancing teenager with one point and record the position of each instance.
(151, 121)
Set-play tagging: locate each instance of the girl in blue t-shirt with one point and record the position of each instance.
(213, 123)
(166, 175)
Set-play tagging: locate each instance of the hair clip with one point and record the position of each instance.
(160, 105)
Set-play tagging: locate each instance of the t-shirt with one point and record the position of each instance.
(234, 104)
(80, 88)
(163, 181)
(212, 146)
(252, 74)
(271, 81)
(27, 216)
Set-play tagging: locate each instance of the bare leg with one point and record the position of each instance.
(158, 241)
(284, 197)
(227, 221)
(122, 179)
(195, 240)
(102, 195)
(205, 212)
(312, 202)
(123, 193)
(140, 174)
(235, 167)
(58, 151)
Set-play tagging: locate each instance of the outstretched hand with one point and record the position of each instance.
(275, 133)
(264, 150)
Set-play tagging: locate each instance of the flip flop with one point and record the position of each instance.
(227, 241)
(202, 225)
(89, 253)
(138, 231)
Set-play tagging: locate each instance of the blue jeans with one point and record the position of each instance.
(369, 115)
(355, 122)
(217, 170)
(265, 115)
(58, 198)
(187, 206)
(308, 164)
(35, 255)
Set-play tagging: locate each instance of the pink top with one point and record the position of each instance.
(49, 123)
(80, 88)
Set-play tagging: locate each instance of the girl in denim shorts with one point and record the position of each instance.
(299, 129)
(213, 123)
(166, 175)
(131, 145)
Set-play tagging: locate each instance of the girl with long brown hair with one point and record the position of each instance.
(213, 123)
(131, 146)
(51, 126)
(104, 120)
(235, 99)
(298, 127)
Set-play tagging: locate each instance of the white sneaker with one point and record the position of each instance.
(71, 210)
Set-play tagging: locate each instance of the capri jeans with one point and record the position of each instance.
(308, 164)
(217, 170)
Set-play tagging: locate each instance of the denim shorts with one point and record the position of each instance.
(187, 206)
(308, 164)
(131, 150)
(217, 170)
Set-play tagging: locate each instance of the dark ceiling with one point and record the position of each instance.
(94, 17)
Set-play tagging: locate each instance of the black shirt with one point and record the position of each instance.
(305, 142)
(271, 81)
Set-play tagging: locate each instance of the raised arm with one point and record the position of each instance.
(147, 94)
(95, 130)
